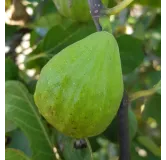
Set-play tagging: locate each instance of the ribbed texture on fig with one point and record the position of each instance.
(80, 89)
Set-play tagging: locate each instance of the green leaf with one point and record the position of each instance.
(10, 31)
(67, 149)
(136, 149)
(152, 3)
(20, 142)
(150, 145)
(153, 40)
(152, 78)
(153, 108)
(20, 109)
(13, 154)
(34, 0)
(143, 23)
(158, 87)
(112, 3)
(130, 52)
(93, 142)
(32, 86)
(44, 8)
(158, 49)
(51, 45)
(9, 126)
(48, 21)
(11, 70)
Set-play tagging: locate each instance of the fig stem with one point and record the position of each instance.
(117, 8)
(123, 129)
(95, 7)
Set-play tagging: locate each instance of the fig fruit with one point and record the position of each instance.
(80, 89)
(77, 10)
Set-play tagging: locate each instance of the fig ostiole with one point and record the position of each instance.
(80, 89)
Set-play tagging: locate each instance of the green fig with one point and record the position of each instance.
(80, 89)
(77, 10)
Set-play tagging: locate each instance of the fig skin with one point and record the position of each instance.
(80, 89)
(77, 10)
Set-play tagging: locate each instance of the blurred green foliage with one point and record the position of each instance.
(30, 46)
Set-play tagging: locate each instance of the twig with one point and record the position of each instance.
(123, 129)
(143, 93)
(95, 7)
(116, 9)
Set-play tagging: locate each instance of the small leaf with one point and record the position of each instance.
(13, 154)
(150, 145)
(47, 8)
(20, 108)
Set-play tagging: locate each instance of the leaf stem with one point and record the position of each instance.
(143, 93)
(89, 146)
(116, 9)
